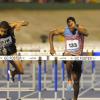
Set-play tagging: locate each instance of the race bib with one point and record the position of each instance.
(5, 41)
(72, 45)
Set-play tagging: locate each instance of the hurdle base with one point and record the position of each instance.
(88, 98)
(96, 89)
(60, 99)
(5, 98)
(41, 99)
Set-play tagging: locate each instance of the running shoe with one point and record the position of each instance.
(69, 85)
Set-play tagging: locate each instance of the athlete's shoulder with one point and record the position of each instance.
(67, 31)
(67, 28)
(80, 26)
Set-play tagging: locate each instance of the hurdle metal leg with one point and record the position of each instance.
(93, 73)
(19, 87)
(8, 79)
(33, 75)
(63, 80)
(39, 78)
(56, 78)
(52, 71)
(45, 71)
(82, 85)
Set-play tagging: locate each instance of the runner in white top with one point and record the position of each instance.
(74, 42)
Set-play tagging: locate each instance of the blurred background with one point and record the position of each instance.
(53, 1)
(46, 15)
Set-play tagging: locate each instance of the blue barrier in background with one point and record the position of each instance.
(96, 53)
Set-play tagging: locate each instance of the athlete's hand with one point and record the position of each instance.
(18, 24)
(52, 51)
(24, 23)
(4, 51)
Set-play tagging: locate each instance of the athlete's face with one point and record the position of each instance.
(2, 31)
(71, 25)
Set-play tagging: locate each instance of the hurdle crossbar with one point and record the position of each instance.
(96, 89)
(16, 89)
(5, 98)
(77, 58)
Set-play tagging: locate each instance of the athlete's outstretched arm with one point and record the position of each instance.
(82, 30)
(18, 24)
(59, 31)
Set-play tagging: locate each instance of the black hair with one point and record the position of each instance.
(5, 25)
(71, 18)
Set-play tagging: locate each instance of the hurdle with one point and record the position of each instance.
(9, 89)
(94, 70)
(93, 66)
(55, 81)
(93, 73)
(56, 89)
(8, 84)
(19, 78)
(55, 58)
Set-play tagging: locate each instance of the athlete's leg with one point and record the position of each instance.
(69, 66)
(76, 74)
(17, 64)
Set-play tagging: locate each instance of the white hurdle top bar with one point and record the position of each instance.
(78, 58)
